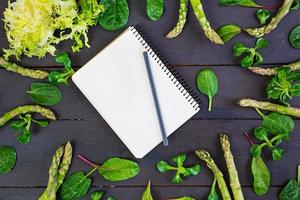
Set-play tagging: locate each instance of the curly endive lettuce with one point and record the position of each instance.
(34, 27)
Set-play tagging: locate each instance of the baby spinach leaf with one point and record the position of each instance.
(97, 195)
(75, 186)
(261, 133)
(261, 176)
(213, 195)
(57, 77)
(115, 15)
(261, 43)
(247, 3)
(294, 37)
(8, 157)
(291, 191)
(263, 15)
(155, 9)
(277, 153)
(278, 124)
(147, 193)
(227, 32)
(207, 83)
(45, 94)
(118, 169)
(162, 166)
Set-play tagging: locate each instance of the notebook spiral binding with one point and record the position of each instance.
(175, 77)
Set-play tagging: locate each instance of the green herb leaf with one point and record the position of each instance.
(247, 3)
(213, 195)
(227, 32)
(155, 9)
(294, 37)
(277, 153)
(179, 160)
(97, 195)
(17, 125)
(75, 186)
(118, 169)
(295, 5)
(291, 191)
(278, 124)
(239, 49)
(24, 137)
(8, 157)
(162, 166)
(207, 83)
(261, 133)
(45, 94)
(263, 15)
(147, 193)
(255, 150)
(261, 43)
(247, 61)
(261, 176)
(115, 15)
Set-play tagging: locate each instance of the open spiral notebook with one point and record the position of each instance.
(115, 82)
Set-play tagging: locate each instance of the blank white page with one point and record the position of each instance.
(115, 81)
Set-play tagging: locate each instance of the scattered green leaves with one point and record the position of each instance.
(228, 31)
(294, 37)
(45, 94)
(155, 9)
(97, 195)
(8, 157)
(115, 169)
(23, 127)
(292, 189)
(213, 195)
(251, 56)
(207, 83)
(115, 15)
(162, 166)
(261, 176)
(247, 3)
(57, 77)
(263, 15)
(147, 193)
(75, 186)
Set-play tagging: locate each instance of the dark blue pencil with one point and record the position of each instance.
(155, 99)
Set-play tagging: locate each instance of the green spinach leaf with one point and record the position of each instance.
(247, 3)
(45, 94)
(261, 176)
(97, 195)
(155, 9)
(115, 15)
(8, 157)
(294, 37)
(263, 15)
(75, 186)
(227, 32)
(213, 195)
(162, 166)
(147, 193)
(207, 83)
(290, 191)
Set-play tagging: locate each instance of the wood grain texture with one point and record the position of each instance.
(190, 48)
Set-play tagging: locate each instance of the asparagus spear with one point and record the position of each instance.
(233, 174)
(38, 74)
(205, 156)
(181, 20)
(264, 105)
(58, 170)
(282, 12)
(267, 71)
(26, 109)
(204, 23)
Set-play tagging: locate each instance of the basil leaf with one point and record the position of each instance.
(294, 37)
(97, 195)
(118, 169)
(263, 15)
(291, 191)
(115, 15)
(75, 186)
(45, 94)
(147, 193)
(155, 9)
(207, 83)
(278, 124)
(8, 157)
(247, 3)
(227, 32)
(261, 176)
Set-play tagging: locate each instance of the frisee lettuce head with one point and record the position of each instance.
(34, 27)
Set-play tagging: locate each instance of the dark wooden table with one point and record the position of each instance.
(91, 136)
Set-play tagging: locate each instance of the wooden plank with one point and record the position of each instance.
(191, 47)
(98, 142)
(125, 193)
(234, 83)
